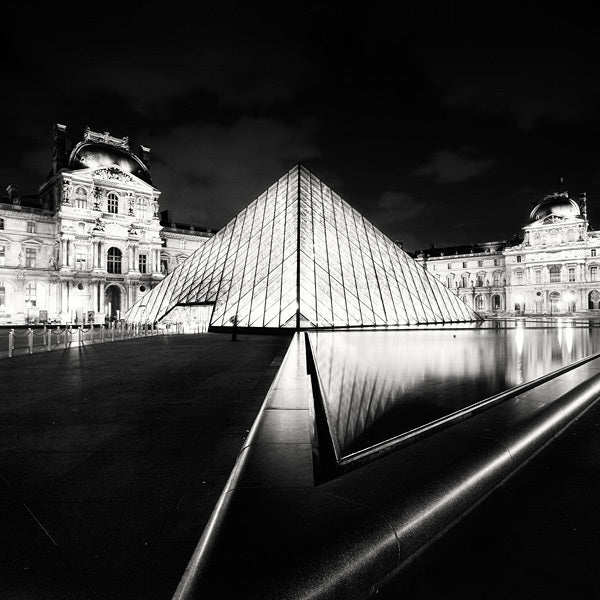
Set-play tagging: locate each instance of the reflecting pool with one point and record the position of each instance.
(380, 384)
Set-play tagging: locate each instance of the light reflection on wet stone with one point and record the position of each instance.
(378, 385)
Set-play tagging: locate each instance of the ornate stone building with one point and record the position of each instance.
(92, 242)
(553, 269)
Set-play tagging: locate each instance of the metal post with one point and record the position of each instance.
(80, 334)
(92, 333)
(70, 335)
(30, 340)
(122, 332)
(49, 339)
(102, 334)
(113, 333)
(11, 342)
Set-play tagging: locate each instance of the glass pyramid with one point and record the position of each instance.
(299, 256)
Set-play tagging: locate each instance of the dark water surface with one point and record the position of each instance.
(381, 384)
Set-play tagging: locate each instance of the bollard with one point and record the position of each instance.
(30, 340)
(80, 335)
(49, 339)
(92, 333)
(102, 334)
(11, 342)
(70, 336)
(112, 329)
(122, 332)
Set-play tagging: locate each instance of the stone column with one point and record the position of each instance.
(101, 295)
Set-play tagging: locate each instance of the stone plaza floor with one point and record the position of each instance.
(113, 456)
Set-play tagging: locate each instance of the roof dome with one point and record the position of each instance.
(93, 154)
(555, 204)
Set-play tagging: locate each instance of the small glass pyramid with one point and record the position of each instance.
(300, 257)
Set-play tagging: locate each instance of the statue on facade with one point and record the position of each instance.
(98, 225)
(97, 197)
(66, 192)
(155, 203)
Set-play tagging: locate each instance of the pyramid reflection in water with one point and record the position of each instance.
(299, 256)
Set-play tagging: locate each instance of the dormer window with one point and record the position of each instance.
(519, 257)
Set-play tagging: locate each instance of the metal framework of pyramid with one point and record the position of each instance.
(300, 257)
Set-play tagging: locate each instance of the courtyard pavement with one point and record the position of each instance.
(113, 456)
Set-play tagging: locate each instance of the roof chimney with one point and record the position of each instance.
(59, 157)
(13, 194)
(583, 204)
(144, 154)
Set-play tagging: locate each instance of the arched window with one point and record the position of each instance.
(113, 260)
(113, 203)
(80, 198)
(555, 274)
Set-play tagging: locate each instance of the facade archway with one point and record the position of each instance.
(496, 302)
(594, 300)
(480, 302)
(112, 302)
(555, 300)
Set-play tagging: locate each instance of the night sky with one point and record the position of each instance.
(439, 125)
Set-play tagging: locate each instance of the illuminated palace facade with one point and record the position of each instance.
(552, 269)
(92, 242)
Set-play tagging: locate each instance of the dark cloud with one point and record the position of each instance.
(211, 172)
(446, 166)
(426, 124)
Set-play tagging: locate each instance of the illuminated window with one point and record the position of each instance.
(31, 294)
(538, 277)
(30, 227)
(554, 274)
(571, 273)
(2, 255)
(113, 260)
(81, 259)
(113, 203)
(496, 278)
(80, 198)
(142, 209)
(519, 275)
(480, 303)
(143, 263)
(30, 257)
(594, 273)
(182, 244)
